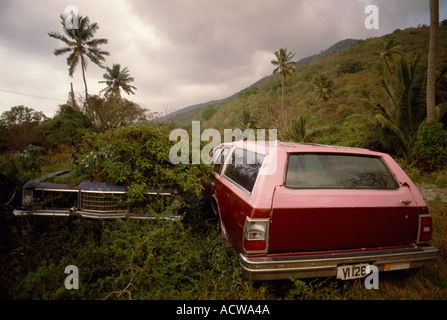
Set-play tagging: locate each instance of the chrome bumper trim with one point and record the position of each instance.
(325, 265)
(91, 215)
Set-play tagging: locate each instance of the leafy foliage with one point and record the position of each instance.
(68, 126)
(24, 165)
(18, 127)
(431, 147)
(137, 156)
(120, 260)
(350, 66)
(300, 131)
(80, 44)
(19, 115)
(114, 111)
(399, 116)
(323, 87)
(390, 49)
(283, 63)
(248, 120)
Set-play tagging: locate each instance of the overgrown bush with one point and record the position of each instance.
(138, 156)
(67, 127)
(431, 147)
(24, 165)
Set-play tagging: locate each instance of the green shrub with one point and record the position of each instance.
(23, 166)
(350, 66)
(137, 156)
(431, 147)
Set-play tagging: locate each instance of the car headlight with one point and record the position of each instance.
(27, 198)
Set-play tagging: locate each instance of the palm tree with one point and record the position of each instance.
(81, 44)
(431, 66)
(323, 87)
(390, 50)
(285, 67)
(117, 79)
(399, 117)
(299, 130)
(247, 119)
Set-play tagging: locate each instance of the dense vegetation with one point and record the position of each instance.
(369, 94)
(358, 96)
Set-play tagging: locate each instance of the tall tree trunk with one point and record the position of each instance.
(282, 103)
(83, 77)
(431, 67)
(89, 110)
(72, 95)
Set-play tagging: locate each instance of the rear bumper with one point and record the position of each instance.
(325, 265)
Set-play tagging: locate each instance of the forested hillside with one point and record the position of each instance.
(185, 115)
(355, 81)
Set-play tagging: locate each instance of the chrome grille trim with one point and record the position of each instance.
(105, 202)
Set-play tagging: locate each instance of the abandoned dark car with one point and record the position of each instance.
(304, 210)
(92, 200)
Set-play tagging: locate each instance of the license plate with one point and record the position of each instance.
(352, 271)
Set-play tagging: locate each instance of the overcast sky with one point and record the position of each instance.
(180, 52)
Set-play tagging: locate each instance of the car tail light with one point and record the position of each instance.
(425, 228)
(256, 234)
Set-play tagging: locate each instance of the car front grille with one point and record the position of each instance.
(103, 202)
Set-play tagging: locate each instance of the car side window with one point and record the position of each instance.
(243, 168)
(219, 159)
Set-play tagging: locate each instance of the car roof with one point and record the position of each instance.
(290, 147)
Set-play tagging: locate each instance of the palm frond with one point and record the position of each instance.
(61, 51)
(117, 79)
(80, 44)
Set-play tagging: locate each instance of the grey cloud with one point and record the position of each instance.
(24, 25)
(226, 34)
(183, 52)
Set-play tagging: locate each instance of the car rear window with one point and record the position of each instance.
(243, 168)
(338, 171)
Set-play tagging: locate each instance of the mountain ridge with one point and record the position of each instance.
(174, 116)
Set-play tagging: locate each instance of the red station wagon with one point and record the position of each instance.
(304, 211)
